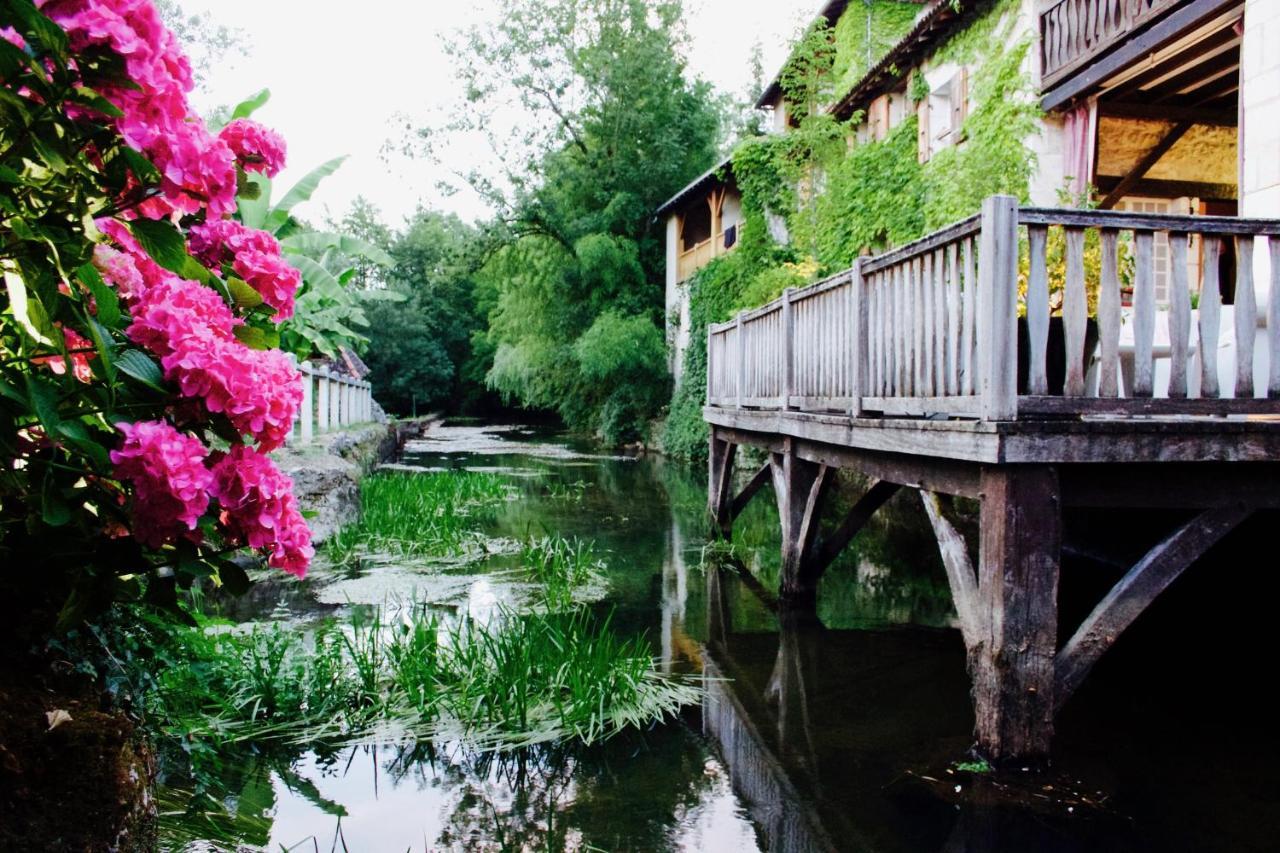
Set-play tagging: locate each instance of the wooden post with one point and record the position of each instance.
(799, 486)
(322, 402)
(998, 308)
(306, 422)
(858, 341)
(742, 359)
(1012, 662)
(719, 485)
(788, 348)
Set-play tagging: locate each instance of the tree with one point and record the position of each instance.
(421, 351)
(614, 128)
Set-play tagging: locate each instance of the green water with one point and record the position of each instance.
(832, 731)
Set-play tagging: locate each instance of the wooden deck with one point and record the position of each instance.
(906, 369)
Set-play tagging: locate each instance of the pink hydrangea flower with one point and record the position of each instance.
(169, 478)
(10, 35)
(257, 148)
(81, 349)
(198, 169)
(259, 509)
(254, 255)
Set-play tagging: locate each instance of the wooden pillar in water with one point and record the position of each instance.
(799, 486)
(1012, 662)
(720, 485)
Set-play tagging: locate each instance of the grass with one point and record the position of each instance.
(433, 514)
(560, 566)
(528, 678)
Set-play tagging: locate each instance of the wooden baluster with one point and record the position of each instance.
(1144, 313)
(1210, 318)
(1179, 315)
(926, 322)
(917, 327)
(939, 323)
(740, 383)
(875, 331)
(1109, 317)
(1273, 320)
(788, 342)
(969, 339)
(1075, 312)
(998, 295)
(1037, 311)
(859, 362)
(900, 281)
(953, 320)
(1246, 317)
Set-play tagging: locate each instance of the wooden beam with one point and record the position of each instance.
(959, 568)
(1131, 49)
(1212, 45)
(1144, 165)
(749, 491)
(1152, 112)
(720, 481)
(829, 547)
(799, 487)
(1162, 188)
(1140, 586)
(1018, 563)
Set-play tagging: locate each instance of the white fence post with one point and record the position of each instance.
(306, 420)
(998, 308)
(322, 399)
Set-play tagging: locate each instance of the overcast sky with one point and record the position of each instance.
(338, 81)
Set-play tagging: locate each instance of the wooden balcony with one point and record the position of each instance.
(699, 255)
(932, 329)
(1075, 32)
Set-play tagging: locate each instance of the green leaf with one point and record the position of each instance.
(245, 296)
(141, 367)
(253, 210)
(28, 313)
(316, 277)
(384, 295)
(105, 298)
(43, 399)
(106, 348)
(250, 105)
(315, 242)
(257, 338)
(301, 191)
(90, 98)
(162, 242)
(233, 577)
(43, 31)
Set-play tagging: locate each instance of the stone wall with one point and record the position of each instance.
(326, 473)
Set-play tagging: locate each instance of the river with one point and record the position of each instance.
(838, 730)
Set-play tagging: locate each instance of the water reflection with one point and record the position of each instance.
(817, 732)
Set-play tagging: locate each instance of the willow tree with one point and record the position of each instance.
(610, 125)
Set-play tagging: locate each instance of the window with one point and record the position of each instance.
(942, 115)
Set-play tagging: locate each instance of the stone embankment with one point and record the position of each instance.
(327, 470)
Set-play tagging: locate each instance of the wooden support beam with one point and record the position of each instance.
(959, 568)
(1144, 165)
(1134, 592)
(800, 487)
(1165, 112)
(829, 547)
(749, 491)
(1012, 665)
(719, 482)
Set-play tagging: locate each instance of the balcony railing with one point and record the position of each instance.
(1072, 32)
(699, 255)
(932, 328)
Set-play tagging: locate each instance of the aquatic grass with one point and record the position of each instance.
(429, 514)
(561, 566)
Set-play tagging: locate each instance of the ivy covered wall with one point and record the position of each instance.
(840, 198)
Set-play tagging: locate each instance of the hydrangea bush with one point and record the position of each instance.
(140, 386)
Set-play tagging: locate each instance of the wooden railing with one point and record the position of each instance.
(699, 255)
(1072, 32)
(932, 328)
